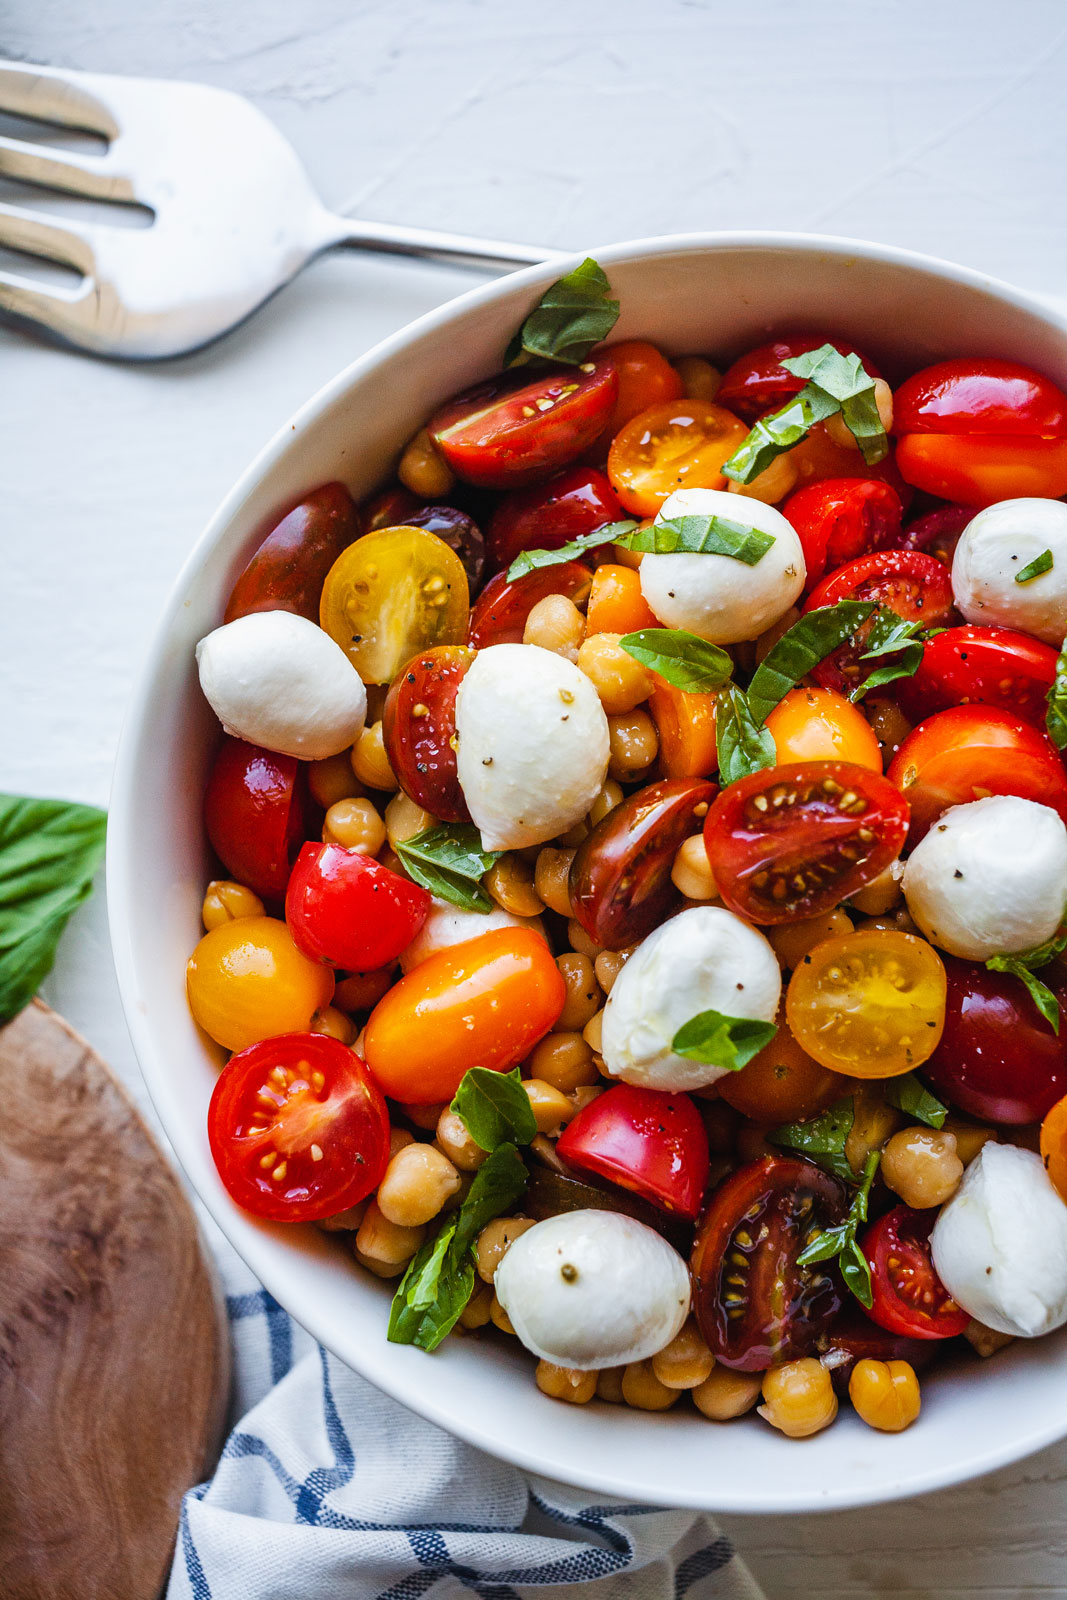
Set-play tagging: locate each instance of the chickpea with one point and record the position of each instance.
(565, 1383)
(417, 1182)
(791, 941)
(609, 1385)
(555, 624)
(385, 1247)
(345, 1221)
(330, 1021)
(686, 1361)
(363, 990)
(842, 435)
(510, 881)
(356, 825)
(885, 1394)
(552, 1110)
(608, 964)
(621, 557)
(969, 1136)
(873, 1122)
(770, 485)
(889, 724)
(494, 1242)
(896, 921)
(369, 761)
(643, 1390)
(619, 680)
(593, 1031)
(922, 1167)
(551, 879)
(691, 873)
(586, 1093)
(799, 1398)
(457, 1143)
(499, 1317)
(768, 639)
(228, 902)
(564, 1061)
(423, 469)
(879, 896)
(332, 780)
(580, 940)
(700, 380)
(475, 1313)
(584, 998)
(609, 797)
(634, 744)
(404, 819)
(726, 1394)
(985, 1341)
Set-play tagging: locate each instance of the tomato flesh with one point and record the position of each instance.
(678, 444)
(257, 812)
(916, 587)
(289, 568)
(840, 519)
(500, 613)
(653, 1144)
(577, 502)
(981, 666)
(757, 382)
(646, 378)
(938, 532)
(348, 910)
(419, 729)
(908, 1297)
(980, 396)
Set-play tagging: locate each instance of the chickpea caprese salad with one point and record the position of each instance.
(644, 869)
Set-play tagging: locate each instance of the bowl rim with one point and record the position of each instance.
(257, 1249)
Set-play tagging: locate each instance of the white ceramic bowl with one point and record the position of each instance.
(718, 293)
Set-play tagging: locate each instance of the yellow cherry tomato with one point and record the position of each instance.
(247, 981)
(391, 594)
(675, 444)
(870, 1004)
(821, 725)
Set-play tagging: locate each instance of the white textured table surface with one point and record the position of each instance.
(940, 127)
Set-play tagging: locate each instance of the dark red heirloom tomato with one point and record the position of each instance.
(755, 1304)
(969, 752)
(938, 532)
(908, 1297)
(853, 1337)
(517, 429)
(578, 501)
(289, 568)
(757, 382)
(795, 840)
(257, 812)
(620, 880)
(650, 1143)
(917, 587)
(345, 908)
(981, 666)
(419, 727)
(839, 519)
(998, 1058)
(298, 1128)
(500, 612)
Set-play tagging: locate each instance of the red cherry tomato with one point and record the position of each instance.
(908, 1296)
(980, 396)
(981, 666)
(298, 1128)
(755, 1304)
(794, 841)
(979, 469)
(346, 909)
(839, 519)
(499, 614)
(938, 532)
(998, 1058)
(757, 382)
(917, 587)
(854, 1337)
(289, 568)
(969, 752)
(650, 1143)
(517, 429)
(257, 812)
(389, 508)
(645, 378)
(420, 746)
(577, 501)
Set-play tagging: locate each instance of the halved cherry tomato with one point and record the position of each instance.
(419, 727)
(821, 725)
(620, 881)
(290, 566)
(938, 532)
(854, 1337)
(981, 396)
(1054, 1146)
(686, 726)
(757, 382)
(346, 909)
(576, 502)
(499, 616)
(646, 378)
(616, 604)
(783, 1083)
(517, 429)
(796, 840)
(484, 1003)
(755, 1304)
(258, 812)
(908, 1296)
(653, 1144)
(389, 508)
(298, 1128)
(981, 666)
(461, 534)
(998, 1059)
(917, 587)
(969, 752)
(839, 519)
(246, 980)
(678, 444)
(979, 469)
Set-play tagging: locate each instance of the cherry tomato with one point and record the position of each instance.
(981, 666)
(298, 1128)
(869, 1004)
(549, 1193)
(839, 519)
(616, 604)
(646, 378)
(908, 1296)
(821, 725)
(938, 532)
(389, 508)
(499, 616)
(517, 429)
(420, 747)
(246, 980)
(1054, 1146)
(258, 812)
(794, 841)
(290, 566)
(819, 456)
(756, 1306)
(854, 1337)
(757, 382)
(917, 587)
(999, 1060)
(346, 909)
(483, 1003)
(620, 881)
(576, 502)
(686, 726)
(461, 534)
(678, 444)
(653, 1144)
(969, 752)
(783, 1083)
(981, 396)
(979, 469)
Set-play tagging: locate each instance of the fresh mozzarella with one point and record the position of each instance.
(447, 924)
(590, 1289)
(994, 548)
(717, 597)
(1000, 1244)
(704, 959)
(532, 743)
(990, 878)
(277, 680)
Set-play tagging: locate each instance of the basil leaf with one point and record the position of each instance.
(494, 1108)
(823, 1139)
(701, 534)
(911, 1095)
(772, 436)
(572, 316)
(682, 658)
(49, 851)
(1034, 568)
(440, 1278)
(573, 550)
(742, 745)
(449, 861)
(1039, 992)
(840, 1241)
(844, 379)
(810, 640)
(896, 642)
(722, 1041)
(1056, 715)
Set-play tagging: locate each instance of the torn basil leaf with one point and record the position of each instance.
(823, 1139)
(896, 644)
(448, 859)
(1033, 569)
(1056, 715)
(912, 1096)
(682, 658)
(840, 1241)
(529, 560)
(721, 1041)
(810, 640)
(743, 745)
(701, 534)
(772, 436)
(572, 316)
(844, 379)
(494, 1108)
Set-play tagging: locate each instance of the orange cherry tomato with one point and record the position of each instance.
(818, 456)
(686, 726)
(1054, 1146)
(821, 725)
(247, 981)
(483, 1003)
(976, 469)
(616, 604)
(646, 377)
(783, 1083)
(677, 444)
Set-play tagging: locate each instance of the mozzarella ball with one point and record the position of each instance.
(532, 743)
(447, 925)
(279, 681)
(721, 599)
(994, 548)
(591, 1289)
(990, 878)
(704, 959)
(1000, 1244)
